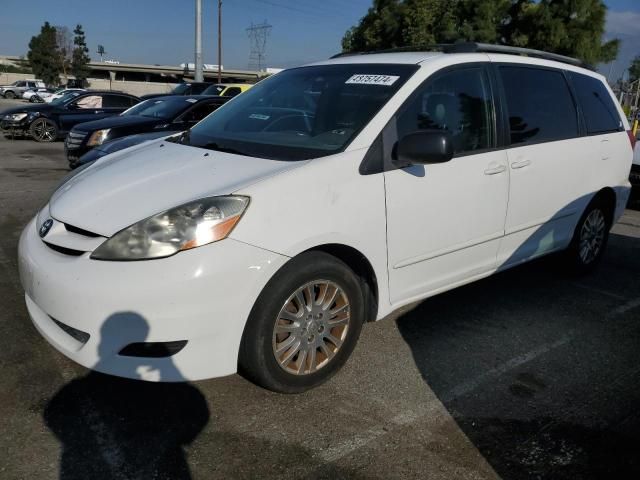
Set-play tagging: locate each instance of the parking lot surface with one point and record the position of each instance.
(528, 374)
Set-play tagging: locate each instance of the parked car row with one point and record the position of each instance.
(17, 88)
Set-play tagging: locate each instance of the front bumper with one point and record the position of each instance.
(14, 126)
(203, 296)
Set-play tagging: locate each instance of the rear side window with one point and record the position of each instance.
(600, 113)
(540, 105)
(458, 102)
(116, 101)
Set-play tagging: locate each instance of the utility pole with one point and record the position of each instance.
(198, 74)
(219, 41)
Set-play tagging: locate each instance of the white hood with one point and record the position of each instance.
(123, 189)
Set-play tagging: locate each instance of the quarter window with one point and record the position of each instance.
(458, 102)
(540, 105)
(600, 113)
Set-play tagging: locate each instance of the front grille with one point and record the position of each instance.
(75, 138)
(80, 231)
(64, 250)
(79, 335)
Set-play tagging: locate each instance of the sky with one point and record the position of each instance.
(162, 31)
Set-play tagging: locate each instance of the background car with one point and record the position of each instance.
(62, 92)
(227, 89)
(187, 88)
(48, 121)
(38, 95)
(120, 144)
(634, 176)
(17, 88)
(173, 113)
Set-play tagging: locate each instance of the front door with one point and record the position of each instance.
(84, 109)
(445, 221)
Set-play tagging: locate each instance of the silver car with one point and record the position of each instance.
(17, 88)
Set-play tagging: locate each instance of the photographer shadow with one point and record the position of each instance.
(112, 427)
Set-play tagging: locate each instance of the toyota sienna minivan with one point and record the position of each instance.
(262, 239)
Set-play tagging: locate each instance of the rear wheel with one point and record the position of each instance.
(304, 325)
(10, 95)
(43, 130)
(590, 237)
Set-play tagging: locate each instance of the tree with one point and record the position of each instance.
(65, 46)
(44, 55)
(568, 27)
(634, 70)
(80, 57)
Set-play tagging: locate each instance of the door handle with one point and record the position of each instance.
(521, 164)
(495, 169)
(604, 143)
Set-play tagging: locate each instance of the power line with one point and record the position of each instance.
(295, 9)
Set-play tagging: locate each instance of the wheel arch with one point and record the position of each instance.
(607, 196)
(362, 267)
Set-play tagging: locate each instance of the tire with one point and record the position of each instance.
(10, 95)
(590, 238)
(282, 316)
(43, 130)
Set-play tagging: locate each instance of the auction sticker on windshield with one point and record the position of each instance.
(362, 79)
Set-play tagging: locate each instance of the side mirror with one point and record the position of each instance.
(424, 147)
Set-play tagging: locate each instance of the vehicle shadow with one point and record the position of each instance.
(112, 427)
(538, 368)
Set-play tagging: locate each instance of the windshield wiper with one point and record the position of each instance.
(219, 148)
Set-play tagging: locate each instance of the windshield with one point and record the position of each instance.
(162, 107)
(180, 89)
(214, 90)
(66, 97)
(301, 113)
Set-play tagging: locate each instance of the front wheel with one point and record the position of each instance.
(304, 325)
(10, 95)
(43, 130)
(590, 238)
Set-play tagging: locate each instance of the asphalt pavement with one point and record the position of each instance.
(530, 374)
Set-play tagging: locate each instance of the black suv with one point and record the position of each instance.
(48, 121)
(169, 114)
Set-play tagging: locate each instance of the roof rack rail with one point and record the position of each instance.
(473, 47)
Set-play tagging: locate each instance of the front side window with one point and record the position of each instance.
(90, 101)
(540, 105)
(458, 102)
(198, 88)
(301, 113)
(600, 113)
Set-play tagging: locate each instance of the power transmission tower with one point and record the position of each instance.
(258, 34)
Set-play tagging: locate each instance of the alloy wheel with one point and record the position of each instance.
(311, 327)
(43, 131)
(592, 235)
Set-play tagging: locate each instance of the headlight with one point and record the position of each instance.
(15, 117)
(181, 228)
(98, 137)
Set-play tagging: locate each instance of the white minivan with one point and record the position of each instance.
(326, 196)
